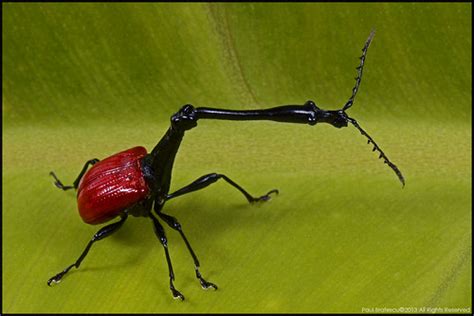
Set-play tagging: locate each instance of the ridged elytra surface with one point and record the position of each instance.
(88, 80)
(111, 186)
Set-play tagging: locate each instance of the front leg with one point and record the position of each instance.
(208, 179)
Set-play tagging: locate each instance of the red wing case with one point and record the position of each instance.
(111, 186)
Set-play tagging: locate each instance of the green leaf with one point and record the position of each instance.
(83, 81)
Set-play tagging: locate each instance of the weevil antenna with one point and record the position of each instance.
(376, 147)
(359, 68)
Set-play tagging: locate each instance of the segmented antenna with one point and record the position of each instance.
(358, 79)
(376, 147)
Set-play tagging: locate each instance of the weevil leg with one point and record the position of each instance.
(208, 179)
(101, 234)
(160, 233)
(173, 223)
(63, 187)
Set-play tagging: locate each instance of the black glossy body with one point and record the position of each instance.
(158, 164)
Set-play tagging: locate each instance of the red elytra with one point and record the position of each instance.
(112, 185)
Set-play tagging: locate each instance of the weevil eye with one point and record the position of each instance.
(340, 119)
(340, 123)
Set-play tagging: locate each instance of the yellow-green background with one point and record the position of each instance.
(82, 81)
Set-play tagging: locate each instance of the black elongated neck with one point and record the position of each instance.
(305, 114)
(159, 163)
(161, 158)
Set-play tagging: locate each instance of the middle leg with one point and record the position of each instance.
(160, 233)
(173, 223)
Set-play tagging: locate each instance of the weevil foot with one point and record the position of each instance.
(59, 184)
(56, 279)
(265, 197)
(206, 285)
(177, 295)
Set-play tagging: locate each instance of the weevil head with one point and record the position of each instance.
(336, 118)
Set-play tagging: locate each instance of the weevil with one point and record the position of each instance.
(135, 182)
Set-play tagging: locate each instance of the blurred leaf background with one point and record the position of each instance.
(82, 81)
